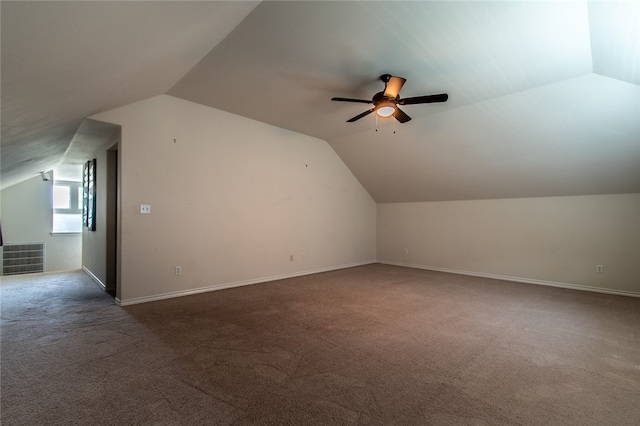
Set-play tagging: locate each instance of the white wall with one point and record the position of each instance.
(231, 200)
(556, 240)
(27, 216)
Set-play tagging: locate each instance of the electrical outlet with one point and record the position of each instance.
(599, 269)
(406, 251)
(145, 208)
(178, 270)
(290, 258)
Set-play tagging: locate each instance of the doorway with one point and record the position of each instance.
(112, 240)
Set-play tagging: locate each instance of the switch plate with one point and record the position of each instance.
(145, 208)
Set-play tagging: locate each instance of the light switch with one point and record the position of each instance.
(145, 208)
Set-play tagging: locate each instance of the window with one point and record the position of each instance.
(67, 206)
(89, 195)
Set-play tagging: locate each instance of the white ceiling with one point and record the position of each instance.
(544, 97)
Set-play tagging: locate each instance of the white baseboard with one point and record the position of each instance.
(102, 285)
(223, 286)
(518, 279)
(94, 278)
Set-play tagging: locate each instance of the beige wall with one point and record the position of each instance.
(557, 240)
(95, 247)
(27, 216)
(231, 200)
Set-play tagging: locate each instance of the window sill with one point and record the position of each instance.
(64, 234)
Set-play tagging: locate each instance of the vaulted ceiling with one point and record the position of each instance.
(544, 97)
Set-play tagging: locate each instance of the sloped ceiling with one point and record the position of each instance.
(544, 97)
(64, 61)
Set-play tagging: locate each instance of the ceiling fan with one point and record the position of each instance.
(385, 103)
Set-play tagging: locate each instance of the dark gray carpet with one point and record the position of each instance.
(373, 345)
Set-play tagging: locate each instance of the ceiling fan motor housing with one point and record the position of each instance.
(379, 98)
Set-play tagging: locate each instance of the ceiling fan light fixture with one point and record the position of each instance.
(385, 103)
(386, 110)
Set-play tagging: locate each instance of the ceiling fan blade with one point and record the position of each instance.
(362, 101)
(401, 116)
(393, 87)
(359, 116)
(424, 99)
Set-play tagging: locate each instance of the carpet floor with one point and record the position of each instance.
(371, 345)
